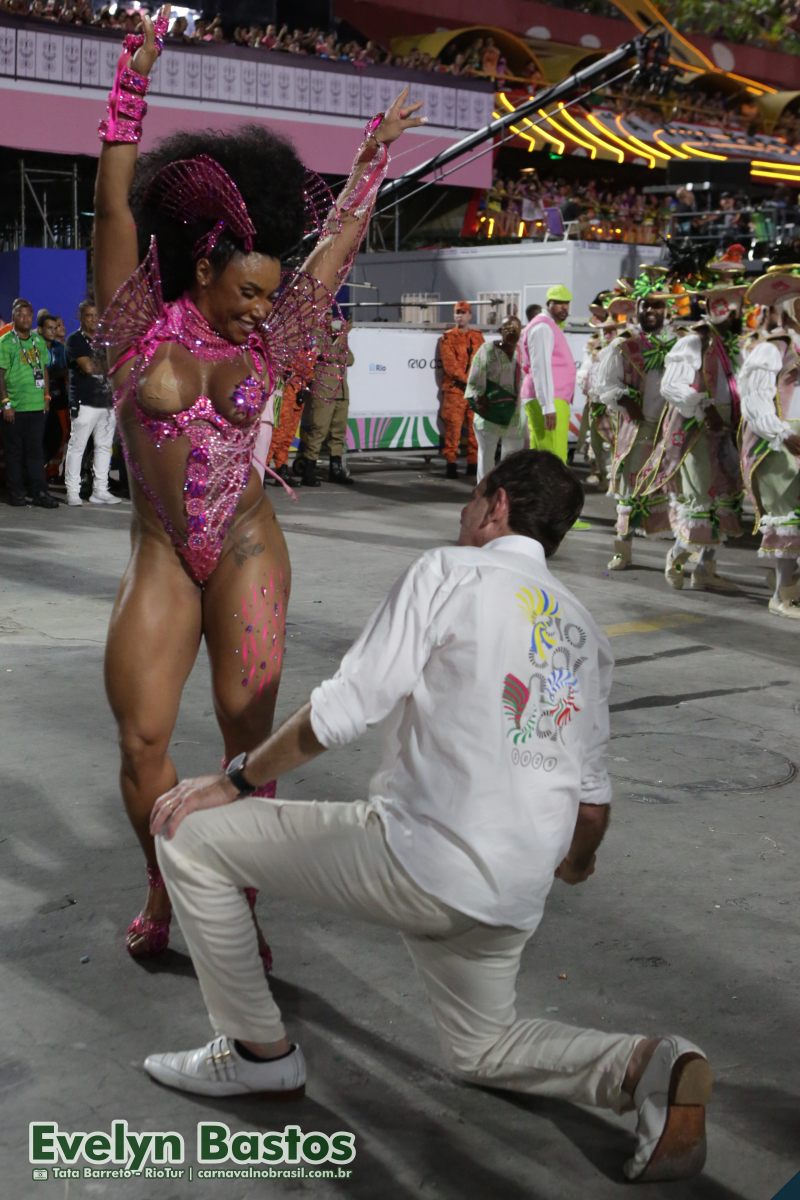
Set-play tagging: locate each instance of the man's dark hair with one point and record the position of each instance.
(544, 497)
(84, 304)
(532, 311)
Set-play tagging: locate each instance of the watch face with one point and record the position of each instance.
(237, 763)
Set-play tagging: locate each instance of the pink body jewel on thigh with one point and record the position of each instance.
(263, 616)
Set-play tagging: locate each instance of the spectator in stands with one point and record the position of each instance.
(90, 405)
(179, 31)
(24, 398)
(730, 224)
(490, 58)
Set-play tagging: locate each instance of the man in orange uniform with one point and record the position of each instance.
(291, 409)
(457, 348)
(282, 438)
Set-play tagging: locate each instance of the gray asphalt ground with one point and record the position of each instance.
(690, 923)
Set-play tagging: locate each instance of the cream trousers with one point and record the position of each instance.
(334, 855)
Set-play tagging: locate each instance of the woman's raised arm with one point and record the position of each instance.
(115, 244)
(331, 258)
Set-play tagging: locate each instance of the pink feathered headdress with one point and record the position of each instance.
(198, 189)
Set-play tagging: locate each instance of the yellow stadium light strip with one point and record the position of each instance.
(603, 145)
(525, 136)
(606, 132)
(566, 133)
(775, 166)
(703, 153)
(774, 176)
(637, 142)
(548, 137)
(520, 133)
(664, 146)
(504, 100)
(753, 85)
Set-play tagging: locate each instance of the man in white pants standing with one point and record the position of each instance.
(492, 393)
(91, 410)
(493, 680)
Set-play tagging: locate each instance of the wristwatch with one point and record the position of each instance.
(235, 772)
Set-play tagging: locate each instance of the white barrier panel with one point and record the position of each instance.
(394, 388)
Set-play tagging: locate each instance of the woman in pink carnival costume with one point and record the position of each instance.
(201, 324)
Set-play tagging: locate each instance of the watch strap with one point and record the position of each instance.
(235, 772)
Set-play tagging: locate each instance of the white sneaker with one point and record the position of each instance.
(673, 569)
(74, 500)
(706, 579)
(219, 1070)
(104, 498)
(622, 557)
(785, 606)
(671, 1097)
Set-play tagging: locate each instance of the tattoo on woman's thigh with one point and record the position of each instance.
(247, 547)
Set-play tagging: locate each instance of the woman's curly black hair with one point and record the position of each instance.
(269, 175)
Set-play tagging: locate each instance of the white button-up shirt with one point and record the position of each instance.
(495, 683)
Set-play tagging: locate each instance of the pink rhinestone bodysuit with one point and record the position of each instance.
(194, 465)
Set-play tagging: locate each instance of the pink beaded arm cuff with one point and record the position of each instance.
(127, 106)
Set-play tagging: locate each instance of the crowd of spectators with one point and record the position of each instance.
(598, 210)
(589, 209)
(55, 398)
(481, 58)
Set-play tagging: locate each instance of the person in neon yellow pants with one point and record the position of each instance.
(552, 435)
(548, 376)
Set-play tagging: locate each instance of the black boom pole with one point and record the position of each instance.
(640, 47)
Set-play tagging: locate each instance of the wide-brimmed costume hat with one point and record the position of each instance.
(720, 299)
(779, 284)
(622, 308)
(652, 283)
(599, 307)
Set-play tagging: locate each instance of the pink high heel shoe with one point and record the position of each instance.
(148, 936)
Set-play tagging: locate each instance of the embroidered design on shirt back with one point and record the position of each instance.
(544, 707)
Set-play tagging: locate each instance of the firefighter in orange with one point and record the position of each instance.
(457, 349)
(292, 398)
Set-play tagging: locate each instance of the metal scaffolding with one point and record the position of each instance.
(33, 184)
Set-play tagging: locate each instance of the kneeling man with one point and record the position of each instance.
(495, 681)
